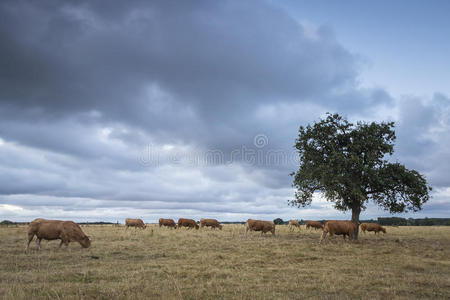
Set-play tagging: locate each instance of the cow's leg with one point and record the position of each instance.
(30, 238)
(38, 242)
(324, 234)
(60, 244)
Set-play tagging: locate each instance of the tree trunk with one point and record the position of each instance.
(355, 218)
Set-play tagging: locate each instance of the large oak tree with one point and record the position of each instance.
(348, 164)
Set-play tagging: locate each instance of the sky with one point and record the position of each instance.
(172, 109)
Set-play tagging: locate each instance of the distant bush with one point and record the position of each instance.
(7, 222)
(278, 221)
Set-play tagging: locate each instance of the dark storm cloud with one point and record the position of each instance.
(207, 64)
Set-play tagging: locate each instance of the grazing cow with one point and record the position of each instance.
(167, 222)
(66, 231)
(136, 223)
(339, 228)
(314, 224)
(258, 225)
(189, 223)
(213, 223)
(293, 224)
(372, 227)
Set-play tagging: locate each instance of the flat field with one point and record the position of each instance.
(407, 262)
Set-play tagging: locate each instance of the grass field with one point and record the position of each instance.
(407, 262)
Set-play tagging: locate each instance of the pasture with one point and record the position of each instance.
(407, 262)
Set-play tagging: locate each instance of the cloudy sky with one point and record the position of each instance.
(112, 109)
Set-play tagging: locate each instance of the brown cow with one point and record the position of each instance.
(258, 225)
(136, 223)
(66, 231)
(314, 224)
(339, 228)
(293, 224)
(167, 222)
(213, 223)
(189, 223)
(372, 227)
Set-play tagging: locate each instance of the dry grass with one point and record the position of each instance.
(407, 262)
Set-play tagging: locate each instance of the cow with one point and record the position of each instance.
(66, 231)
(258, 225)
(339, 228)
(167, 222)
(375, 227)
(314, 224)
(189, 223)
(293, 224)
(136, 223)
(213, 223)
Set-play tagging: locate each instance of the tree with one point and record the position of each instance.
(428, 222)
(278, 221)
(347, 164)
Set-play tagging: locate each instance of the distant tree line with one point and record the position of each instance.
(11, 223)
(390, 221)
(395, 221)
(96, 223)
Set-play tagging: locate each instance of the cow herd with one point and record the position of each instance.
(189, 223)
(68, 231)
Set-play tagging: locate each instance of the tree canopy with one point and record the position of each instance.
(278, 221)
(349, 164)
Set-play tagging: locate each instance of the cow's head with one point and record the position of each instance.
(220, 226)
(383, 229)
(85, 242)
